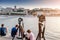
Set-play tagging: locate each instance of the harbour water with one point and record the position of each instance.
(52, 31)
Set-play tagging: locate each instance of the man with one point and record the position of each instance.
(14, 31)
(41, 27)
(30, 35)
(3, 30)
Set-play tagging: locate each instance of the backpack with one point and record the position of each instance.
(3, 31)
(13, 32)
(0, 31)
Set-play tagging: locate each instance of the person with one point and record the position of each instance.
(14, 31)
(3, 30)
(41, 27)
(30, 35)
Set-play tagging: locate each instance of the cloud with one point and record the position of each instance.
(31, 3)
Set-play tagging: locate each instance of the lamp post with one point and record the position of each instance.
(19, 22)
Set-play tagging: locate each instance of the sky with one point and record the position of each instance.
(30, 4)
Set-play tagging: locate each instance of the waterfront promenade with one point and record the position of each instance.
(9, 38)
(52, 31)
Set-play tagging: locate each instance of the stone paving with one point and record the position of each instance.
(9, 38)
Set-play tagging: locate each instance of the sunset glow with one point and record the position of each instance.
(31, 3)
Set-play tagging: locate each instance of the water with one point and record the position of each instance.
(30, 22)
(52, 31)
(52, 28)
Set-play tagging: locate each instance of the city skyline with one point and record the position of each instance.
(30, 4)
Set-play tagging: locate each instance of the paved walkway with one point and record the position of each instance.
(9, 38)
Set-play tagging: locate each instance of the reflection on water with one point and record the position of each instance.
(52, 28)
(52, 31)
